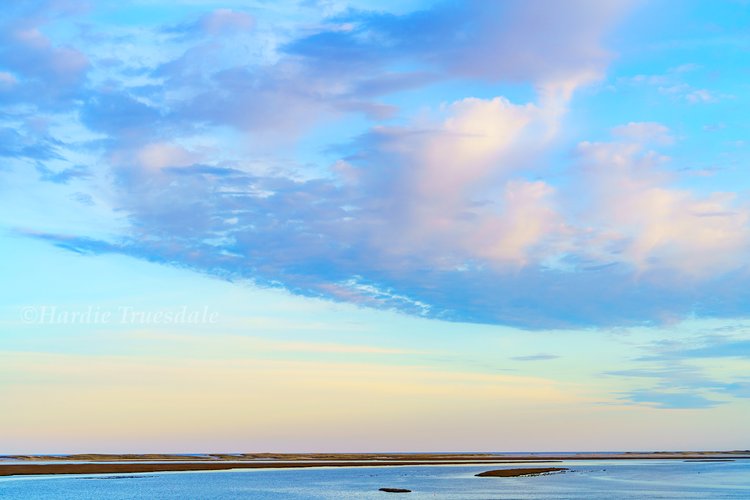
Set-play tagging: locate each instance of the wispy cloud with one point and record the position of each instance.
(677, 373)
(671, 400)
(535, 357)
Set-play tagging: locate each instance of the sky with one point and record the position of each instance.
(324, 225)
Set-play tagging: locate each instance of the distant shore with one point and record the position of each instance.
(17, 465)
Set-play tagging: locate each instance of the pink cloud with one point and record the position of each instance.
(656, 226)
(226, 20)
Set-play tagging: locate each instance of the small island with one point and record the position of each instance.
(520, 472)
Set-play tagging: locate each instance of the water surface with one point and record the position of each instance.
(613, 480)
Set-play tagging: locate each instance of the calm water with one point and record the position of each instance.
(636, 479)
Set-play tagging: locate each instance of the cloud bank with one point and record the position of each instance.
(480, 208)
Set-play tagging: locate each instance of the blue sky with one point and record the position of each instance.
(542, 195)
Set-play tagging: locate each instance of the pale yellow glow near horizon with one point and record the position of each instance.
(251, 400)
(76, 403)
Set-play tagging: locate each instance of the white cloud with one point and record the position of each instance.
(701, 95)
(644, 133)
(528, 217)
(458, 184)
(652, 226)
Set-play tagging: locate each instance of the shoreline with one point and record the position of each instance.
(400, 456)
